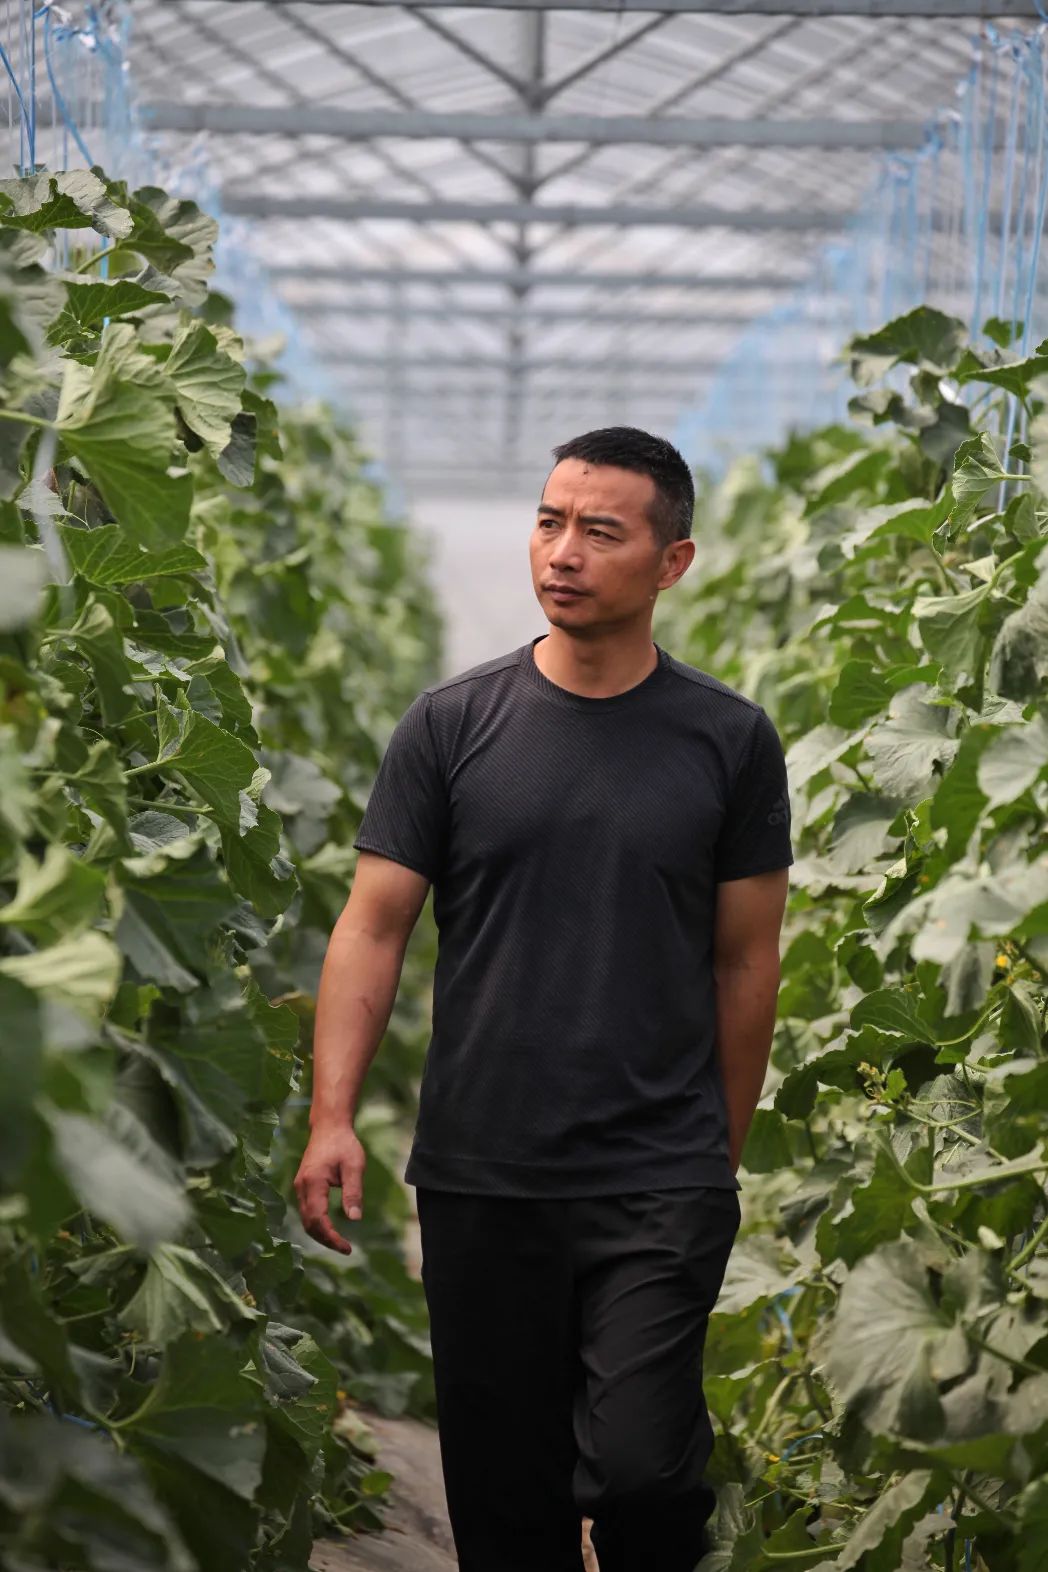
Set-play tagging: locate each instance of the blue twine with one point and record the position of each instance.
(74, 1419)
(27, 120)
(60, 103)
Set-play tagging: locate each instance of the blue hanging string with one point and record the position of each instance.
(27, 130)
(56, 92)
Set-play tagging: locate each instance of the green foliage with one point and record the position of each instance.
(878, 1362)
(208, 627)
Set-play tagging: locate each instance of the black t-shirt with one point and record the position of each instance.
(575, 845)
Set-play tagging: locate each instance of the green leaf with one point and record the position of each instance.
(1013, 760)
(116, 423)
(891, 1344)
(860, 693)
(876, 1544)
(954, 628)
(990, 903)
(924, 337)
(894, 1010)
(121, 1175)
(872, 1214)
(237, 460)
(1002, 331)
(101, 641)
(181, 1292)
(206, 1413)
(175, 236)
(860, 831)
(906, 746)
(256, 867)
(977, 469)
(1032, 1539)
(1014, 376)
(1019, 658)
(172, 906)
(208, 384)
(767, 1143)
(105, 556)
(82, 972)
(89, 304)
(23, 574)
(212, 763)
(55, 898)
(73, 199)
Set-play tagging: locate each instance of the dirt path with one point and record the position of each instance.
(418, 1536)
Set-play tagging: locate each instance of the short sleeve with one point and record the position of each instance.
(406, 817)
(755, 835)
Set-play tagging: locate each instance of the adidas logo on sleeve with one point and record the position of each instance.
(780, 813)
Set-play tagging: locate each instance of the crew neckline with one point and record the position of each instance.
(584, 701)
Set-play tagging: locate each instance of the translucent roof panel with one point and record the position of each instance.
(465, 327)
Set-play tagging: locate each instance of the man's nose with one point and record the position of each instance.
(567, 547)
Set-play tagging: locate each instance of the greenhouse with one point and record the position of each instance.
(524, 786)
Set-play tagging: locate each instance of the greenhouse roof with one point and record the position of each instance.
(497, 225)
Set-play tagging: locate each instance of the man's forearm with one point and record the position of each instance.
(358, 984)
(746, 994)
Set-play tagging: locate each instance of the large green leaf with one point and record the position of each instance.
(906, 746)
(90, 303)
(82, 972)
(208, 385)
(121, 1175)
(57, 897)
(172, 907)
(182, 1292)
(105, 556)
(115, 421)
(205, 1412)
(71, 199)
(923, 337)
(1013, 760)
(23, 573)
(892, 1343)
(1019, 659)
(217, 766)
(175, 236)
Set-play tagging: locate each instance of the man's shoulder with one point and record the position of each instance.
(705, 684)
(483, 672)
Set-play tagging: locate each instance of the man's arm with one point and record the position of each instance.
(358, 986)
(747, 970)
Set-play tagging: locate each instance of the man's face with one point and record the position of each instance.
(593, 532)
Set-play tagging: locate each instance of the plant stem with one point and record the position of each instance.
(23, 419)
(168, 807)
(98, 256)
(1028, 1249)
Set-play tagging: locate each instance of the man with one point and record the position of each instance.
(606, 830)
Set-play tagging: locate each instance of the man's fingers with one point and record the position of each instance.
(324, 1231)
(313, 1205)
(353, 1193)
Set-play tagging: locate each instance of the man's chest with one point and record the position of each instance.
(646, 796)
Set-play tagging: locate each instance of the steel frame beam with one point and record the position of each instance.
(1024, 10)
(529, 316)
(582, 364)
(550, 278)
(248, 204)
(363, 125)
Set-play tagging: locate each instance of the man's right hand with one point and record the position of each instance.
(334, 1159)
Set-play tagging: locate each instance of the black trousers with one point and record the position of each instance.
(567, 1344)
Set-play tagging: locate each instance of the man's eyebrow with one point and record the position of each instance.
(587, 518)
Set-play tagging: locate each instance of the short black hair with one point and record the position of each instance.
(626, 447)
